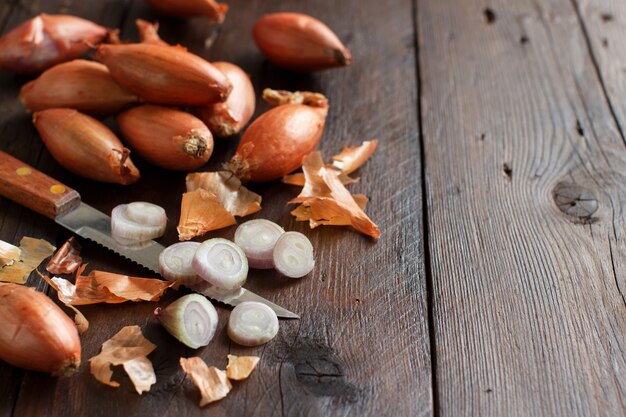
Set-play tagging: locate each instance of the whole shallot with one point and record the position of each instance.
(46, 40)
(190, 8)
(35, 333)
(82, 85)
(85, 146)
(299, 42)
(167, 137)
(229, 117)
(164, 74)
(275, 143)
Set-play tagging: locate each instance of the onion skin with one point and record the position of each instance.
(275, 143)
(85, 146)
(299, 42)
(35, 333)
(190, 8)
(164, 74)
(228, 118)
(166, 137)
(46, 40)
(82, 85)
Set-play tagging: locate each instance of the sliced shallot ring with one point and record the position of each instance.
(257, 239)
(293, 255)
(252, 324)
(175, 263)
(123, 228)
(191, 319)
(222, 263)
(146, 213)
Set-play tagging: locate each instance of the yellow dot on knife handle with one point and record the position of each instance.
(57, 189)
(23, 171)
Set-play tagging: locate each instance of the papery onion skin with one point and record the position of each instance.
(46, 40)
(229, 117)
(82, 85)
(164, 74)
(190, 8)
(299, 42)
(275, 143)
(85, 146)
(35, 333)
(166, 137)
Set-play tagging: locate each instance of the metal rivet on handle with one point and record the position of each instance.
(57, 189)
(23, 171)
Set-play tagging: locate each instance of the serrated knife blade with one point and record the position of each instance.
(35, 190)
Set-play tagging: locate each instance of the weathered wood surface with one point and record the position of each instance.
(362, 345)
(525, 171)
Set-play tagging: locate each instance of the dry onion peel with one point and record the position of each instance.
(106, 287)
(352, 158)
(9, 254)
(240, 367)
(33, 252)
(212, 382)
(67, 259)
(201, 211)
(128, 348)
(82, 324)
(227, 188)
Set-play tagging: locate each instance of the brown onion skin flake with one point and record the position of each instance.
(164, 74)
(275, 143)
(82, 85)
(190, 8)
(166, 137)
(35, 333)
(85, 146)
(229, 117)
(46, 40)
(299, 42)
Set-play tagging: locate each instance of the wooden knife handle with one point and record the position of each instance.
(33, 189)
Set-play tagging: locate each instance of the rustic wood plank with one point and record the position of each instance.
(361, 347)
(525, 175)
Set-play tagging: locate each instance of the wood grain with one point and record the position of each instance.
(526, 192)
(361, 347)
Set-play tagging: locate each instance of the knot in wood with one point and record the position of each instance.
(318, 371)
(577, 202)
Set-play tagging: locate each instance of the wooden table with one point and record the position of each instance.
(498, 285)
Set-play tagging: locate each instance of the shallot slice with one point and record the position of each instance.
(191, 319)
(257, 239)
(175, 263)
(293, 255)
(222, 263)
(252, 324)
(128, 222)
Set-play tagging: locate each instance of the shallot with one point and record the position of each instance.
(252, 324)
(85, 146)
(175, 263)
(275, 143)
(257, 239)
(222, 263)
(190, 8)
(35, 333)
(191, 319)
(138, 221)
(229, 117)
(82, 85)
(293, 255)
(167, 137)
(299, 42)
(46, 40)
(164, 74)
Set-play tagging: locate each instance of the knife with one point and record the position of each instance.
(35, 190)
